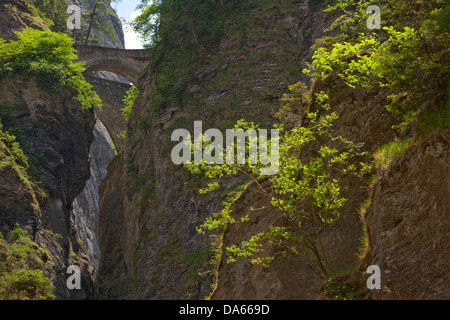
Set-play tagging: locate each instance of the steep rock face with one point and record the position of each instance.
(149, 209)
(106, 29)
(17, 18)
(409, 223)
(19, 199)
(37, 114)
(112, 273)
(57, 133)
(147, 229)
(362, 118)
(85, 206)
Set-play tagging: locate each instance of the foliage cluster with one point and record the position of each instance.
(22, 262)
(306, 190)
(182, 22)
(54, 11)
(393, 150)
(408, 57)
(128, 102)
(49, 57)
(97, 24)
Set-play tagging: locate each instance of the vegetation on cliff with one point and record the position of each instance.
(409, 56)
(31, 263)
(22, 265)
(100, 24)
(49, 57)
(128, 102)
(185, 37)
(12, 157)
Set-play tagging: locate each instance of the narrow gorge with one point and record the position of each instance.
(363, 177)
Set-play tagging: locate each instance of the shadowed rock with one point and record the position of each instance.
(129, 64)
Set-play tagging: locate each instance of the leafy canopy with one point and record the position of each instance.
(177, 21)
(50, 58)
(128, 102)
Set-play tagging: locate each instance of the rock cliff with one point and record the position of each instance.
(68, 150)
(85, 206)
(148, 211)
(57, 133)
(408, 223)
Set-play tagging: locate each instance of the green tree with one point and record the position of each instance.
(305, 189)
(50, 58)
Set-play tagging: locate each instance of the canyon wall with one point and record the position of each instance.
(69, 149)
(148, 210)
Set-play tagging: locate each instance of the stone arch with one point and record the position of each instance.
(127, 63)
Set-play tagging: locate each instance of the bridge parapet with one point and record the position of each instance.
(129, 64)
(112, 89)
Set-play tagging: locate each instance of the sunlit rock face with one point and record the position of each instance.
(85, 206)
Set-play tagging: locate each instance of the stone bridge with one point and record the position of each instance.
(112, 94)
(129, 64)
